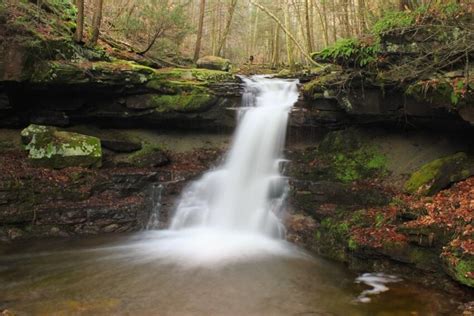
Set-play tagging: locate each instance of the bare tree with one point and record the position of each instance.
(96, 21)
(287, 32)
(227, 26)
(309, 39)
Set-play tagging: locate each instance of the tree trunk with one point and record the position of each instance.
(254, 34)
(227, 26)
(361, 14)
(276, 48)
(289, 52)
(96, 21)
(334, 24)
(202, 7)
(309, 39)
(79, 21)
(158, 33)
(301, 49)
(323, 18)
(214, 28)
(345, 18)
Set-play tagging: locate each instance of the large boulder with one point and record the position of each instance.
(439, 174)
(214, 63)
(51, 148)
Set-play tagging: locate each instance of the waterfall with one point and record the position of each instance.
(154, 219)
(233, 212)
(247, 191)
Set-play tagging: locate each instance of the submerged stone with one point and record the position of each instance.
(51, 148)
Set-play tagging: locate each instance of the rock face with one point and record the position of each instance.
(51, 148)
(214, 62)
(348, 203)
(122, 94)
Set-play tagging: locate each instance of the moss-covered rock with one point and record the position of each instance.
(440, 173)
(51, 148)
(346, 157)
(214, 62)
(151, 155)
(459, 262)
(322, 86)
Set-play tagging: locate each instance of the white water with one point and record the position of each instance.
(232, 212)
(244, 194)
(378, 283)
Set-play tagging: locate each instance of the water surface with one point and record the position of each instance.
(114, 275)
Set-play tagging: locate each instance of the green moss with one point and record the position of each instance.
(122, 65)
(193, 74)
(182, 103)
(352, 244)
(428, 172)
(332, 238)
(214, 62)
(462, 269)
(379, 220)
(349, 158)
(317, 86)
(147, 149)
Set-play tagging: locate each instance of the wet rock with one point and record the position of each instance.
(54, 118)
(300, 229)
(110, 228)
(149, 156)
(310, 195)
(214, 62)
(458, 262)
(4, 102)
(439, 174)
(121, 145)
(15, 233)
(51, 148)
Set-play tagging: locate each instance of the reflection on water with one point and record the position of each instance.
(127, 276)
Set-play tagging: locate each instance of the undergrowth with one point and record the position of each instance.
(365, 52)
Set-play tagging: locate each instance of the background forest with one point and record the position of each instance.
(274, 32)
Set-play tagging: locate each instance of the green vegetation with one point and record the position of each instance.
(183, 103)
(332, 238)
(366, 52)
(349, 51)
(443, 90)
(394, 20)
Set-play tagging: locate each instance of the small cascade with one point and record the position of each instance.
(154, 219)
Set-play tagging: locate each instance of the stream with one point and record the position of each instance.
(224, 253)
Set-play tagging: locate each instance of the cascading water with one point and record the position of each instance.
(232, 212)
(244, 193)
